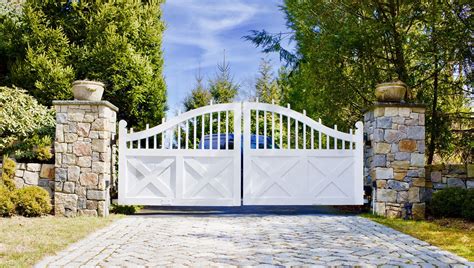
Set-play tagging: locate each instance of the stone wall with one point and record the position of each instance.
(35, 174)
(84, 133)
(394, 157)
(446, 176)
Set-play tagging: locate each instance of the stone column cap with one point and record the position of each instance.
(394, 104)
(82, 102)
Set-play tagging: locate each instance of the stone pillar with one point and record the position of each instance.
(84, 133)
(395, 157)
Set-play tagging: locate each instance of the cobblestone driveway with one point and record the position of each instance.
(251, 240)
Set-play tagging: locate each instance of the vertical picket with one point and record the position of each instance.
(304, 132)
(218, 130)
(227, 130)
(210, 131)
(195, 132)
(163, 136)
(320, 139)
(288, 128)
(281, 131)
(146, 141)
(202, 133)
(187, 134)
(335, 139)
(264, 130)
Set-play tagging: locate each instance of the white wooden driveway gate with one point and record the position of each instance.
(195, 159)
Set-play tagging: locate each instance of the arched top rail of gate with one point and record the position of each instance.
(186, 130)
(305, 120)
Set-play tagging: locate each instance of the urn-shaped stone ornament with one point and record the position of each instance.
(87, 90)
(391, 91)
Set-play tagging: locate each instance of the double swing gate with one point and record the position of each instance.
(247, 153)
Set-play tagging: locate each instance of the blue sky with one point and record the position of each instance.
(197, 33)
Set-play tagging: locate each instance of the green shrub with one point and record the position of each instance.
(7, 208)
(25, 125)
(31, 201)
(125, 209)
(8, 173)
(451, 202)
(468, 206)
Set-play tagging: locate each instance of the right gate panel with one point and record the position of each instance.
(290, 159)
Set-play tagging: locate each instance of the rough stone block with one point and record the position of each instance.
(392, 136)
(61, 118)
(91, 204)
(83, 129)
(414, 194)
(19, 182)
(99, 167)
(379, 111)
(100, 124)
(96, 195)
(399, 176)
(391, 111)
(417, 160)
(380, 209)
(60, 147)
(386, 195)
(81, 148)
(379, 160)
(47, 171)
(69, 159)
(76, 116)
(383, 173)
(416, 132)
(407, 145)
(69, 187)
(99, 145)
(381, 184)
(89, 179)
(456, 183)
(65, 204)
(398, 185)
(31, 178)
(436, 176)
(400, 164)
(18, 172)
(73, 173)
(404, 111)
(402, 197)
(402, 156)
(384, 122)
(418, 182)
(70, 137)
(381, 148)
(84, 161)
(60, 174)
(33, 167)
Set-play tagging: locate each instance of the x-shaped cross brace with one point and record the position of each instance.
(331, 176)
(208, 176)
(151, 176)
(276, 176)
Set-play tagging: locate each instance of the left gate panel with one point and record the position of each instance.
(177, 163)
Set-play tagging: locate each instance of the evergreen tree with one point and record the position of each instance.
(344, 48)
(199, 95)
(266, 87)
(222, 87)
(48, 44)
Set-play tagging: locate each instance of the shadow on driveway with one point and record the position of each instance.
(242, 210)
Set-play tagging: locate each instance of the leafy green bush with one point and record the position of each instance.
(26, 127)
(7, 208)
(468, 206)
(31, 201)
(8, 173)
(449, 202)
(125, 209)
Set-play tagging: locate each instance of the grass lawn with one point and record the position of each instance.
(25, 241)
(454, 235)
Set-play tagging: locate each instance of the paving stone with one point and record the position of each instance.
(243, 240)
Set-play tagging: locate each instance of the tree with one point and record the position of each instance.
(266, 87)
(222, 87)
(344, 48)
(49, 44)
(199, 96)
